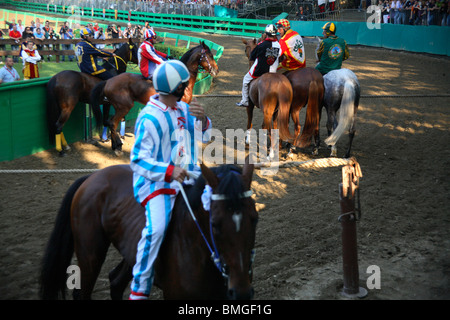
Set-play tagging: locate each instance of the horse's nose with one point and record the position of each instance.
(234, 294)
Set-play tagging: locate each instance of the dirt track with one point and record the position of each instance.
(401, 144)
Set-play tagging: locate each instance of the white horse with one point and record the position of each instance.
(342, 91)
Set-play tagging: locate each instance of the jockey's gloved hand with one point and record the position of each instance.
(170, 58)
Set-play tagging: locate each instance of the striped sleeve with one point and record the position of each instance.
(147, 158)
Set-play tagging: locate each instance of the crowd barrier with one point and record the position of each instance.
(421, 39)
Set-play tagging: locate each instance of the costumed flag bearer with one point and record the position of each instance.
(30, 57)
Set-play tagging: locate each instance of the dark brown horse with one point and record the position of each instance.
(122, 91)
(308, 89)
(67, 88)
(100, 209)
(272, 93)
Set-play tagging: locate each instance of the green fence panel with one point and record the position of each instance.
(425, 39)
(366, 36)
(23, 125)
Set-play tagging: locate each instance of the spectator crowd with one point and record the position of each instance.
(415, 12)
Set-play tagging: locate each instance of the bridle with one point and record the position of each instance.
(124, 62)
(203, 56)
(215, 256)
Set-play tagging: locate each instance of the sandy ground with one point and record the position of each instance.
(401, 145)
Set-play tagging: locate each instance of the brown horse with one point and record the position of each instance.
(308, 89)
(67, 88)
(272, 93)
(100, 209)
(122, 91)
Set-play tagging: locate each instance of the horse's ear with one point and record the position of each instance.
(130, 41)
(209, 176)
(254, 40)
(247, 172)
(244, 41)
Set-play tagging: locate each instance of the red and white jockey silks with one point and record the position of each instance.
(149, 58)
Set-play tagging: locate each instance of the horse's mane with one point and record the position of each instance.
(190, 52)
(187, 55)
(230, 185)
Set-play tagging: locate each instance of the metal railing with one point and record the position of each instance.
(258, 9)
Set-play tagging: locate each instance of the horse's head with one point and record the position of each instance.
(233, 223)
(249, 46)
(203, 57)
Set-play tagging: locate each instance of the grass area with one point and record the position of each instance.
(48, 69)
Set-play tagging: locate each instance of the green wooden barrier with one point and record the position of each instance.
(23, 124)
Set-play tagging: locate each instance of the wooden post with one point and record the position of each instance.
(347, 191)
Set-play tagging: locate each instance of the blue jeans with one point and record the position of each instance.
(13, 48)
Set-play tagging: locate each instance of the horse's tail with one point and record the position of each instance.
(53, 109)
(96, 98)
(312, 114)
(345, 113)
(284, 106)
(59, 251)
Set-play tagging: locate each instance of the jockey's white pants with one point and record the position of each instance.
(245, 86)
(158, 212)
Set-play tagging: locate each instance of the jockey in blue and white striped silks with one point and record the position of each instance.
(164, 136)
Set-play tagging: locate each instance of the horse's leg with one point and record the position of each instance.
(106, 123)
(66, 109)
(273, 141)
(331, 125)
(317, 136)
(116, 142)
(119, 278)
(295, 115)
(250, 108)
(91, 252)
(352, 131)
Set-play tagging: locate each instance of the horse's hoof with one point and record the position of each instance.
(118, 153)
(104, 141)
(62, 154)
(333, 151)
(315, 152)
(67, 148)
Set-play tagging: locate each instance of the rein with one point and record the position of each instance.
(124, 62)
(215, 257)
(204, 56)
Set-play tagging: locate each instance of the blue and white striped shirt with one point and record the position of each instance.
(164, 137)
